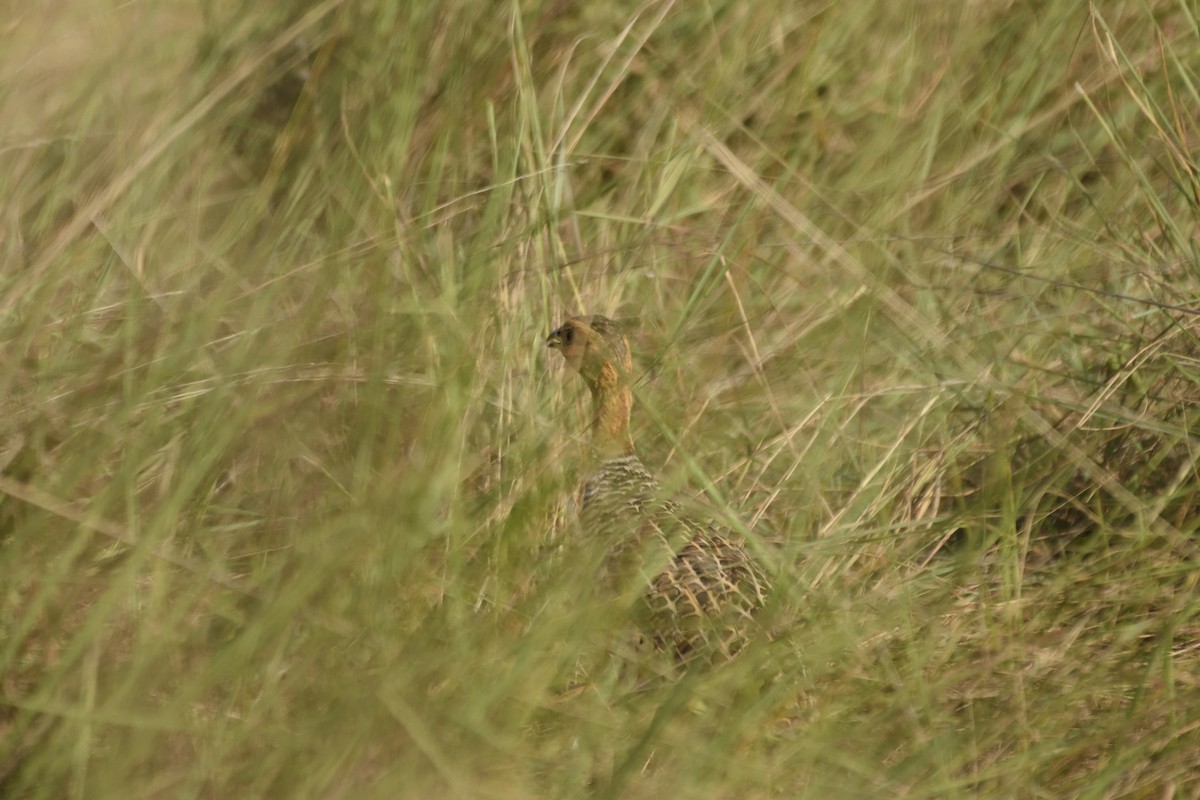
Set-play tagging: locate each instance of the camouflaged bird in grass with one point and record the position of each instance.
(704, 587)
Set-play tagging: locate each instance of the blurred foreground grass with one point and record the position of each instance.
(285, 472)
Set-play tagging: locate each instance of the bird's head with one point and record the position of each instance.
(596, 348)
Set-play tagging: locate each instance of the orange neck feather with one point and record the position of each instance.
(613, 402)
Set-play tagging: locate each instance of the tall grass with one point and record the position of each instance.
(286, 473)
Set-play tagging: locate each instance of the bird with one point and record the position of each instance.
(702, 587)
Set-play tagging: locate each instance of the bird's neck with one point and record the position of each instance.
(612, 400)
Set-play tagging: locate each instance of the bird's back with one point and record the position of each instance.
(704, 587)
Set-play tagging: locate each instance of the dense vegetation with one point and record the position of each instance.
(285, 469)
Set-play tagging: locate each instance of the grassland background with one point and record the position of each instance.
(285, 470)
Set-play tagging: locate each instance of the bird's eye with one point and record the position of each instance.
(568, 335)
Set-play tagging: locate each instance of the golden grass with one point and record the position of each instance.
(285, 470)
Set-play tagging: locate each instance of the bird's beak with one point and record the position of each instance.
(554, 340)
